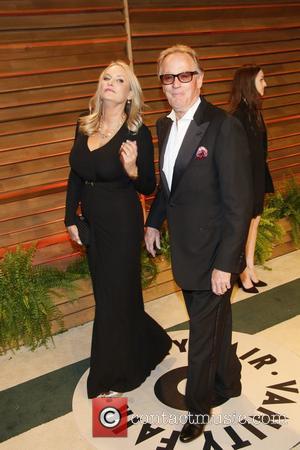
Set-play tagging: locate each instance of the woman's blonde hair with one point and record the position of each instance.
(90, 124)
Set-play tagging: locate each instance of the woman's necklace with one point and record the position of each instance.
(109, 133)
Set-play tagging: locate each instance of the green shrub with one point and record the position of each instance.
(269, 233)
(165, 244)
(149, 268)
(282, 204)
(26, 308)
(79, 268)
(287, 204)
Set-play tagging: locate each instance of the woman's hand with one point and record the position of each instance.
(73, 233)
(128, 155)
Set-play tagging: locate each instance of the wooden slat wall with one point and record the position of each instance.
(227, 35)
(51, 53)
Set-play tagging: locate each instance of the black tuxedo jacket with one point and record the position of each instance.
(210, 203)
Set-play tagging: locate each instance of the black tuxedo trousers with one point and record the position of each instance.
(213, 366)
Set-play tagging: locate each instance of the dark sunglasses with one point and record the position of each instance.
(183, 77)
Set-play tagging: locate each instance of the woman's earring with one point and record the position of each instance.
(128, 106)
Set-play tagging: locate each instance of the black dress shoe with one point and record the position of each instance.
(251, 290)
(190, 431)
(259, 283)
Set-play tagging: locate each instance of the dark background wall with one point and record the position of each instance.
(51, 54)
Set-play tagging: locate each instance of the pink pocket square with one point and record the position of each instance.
(201, 153)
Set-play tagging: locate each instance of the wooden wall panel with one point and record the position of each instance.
(51, 54)
(227, 35)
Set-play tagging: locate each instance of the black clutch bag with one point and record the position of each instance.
(83, 230)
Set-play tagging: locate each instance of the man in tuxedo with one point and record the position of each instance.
(206, 196)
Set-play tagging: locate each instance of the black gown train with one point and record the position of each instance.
(126, 343)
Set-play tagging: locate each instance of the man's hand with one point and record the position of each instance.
(152, 236)
(220, 281)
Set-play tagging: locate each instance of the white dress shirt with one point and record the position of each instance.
(177, 133)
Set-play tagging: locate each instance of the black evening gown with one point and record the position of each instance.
(258, 145)
(126, 342)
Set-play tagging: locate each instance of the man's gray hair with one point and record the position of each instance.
(178, 48)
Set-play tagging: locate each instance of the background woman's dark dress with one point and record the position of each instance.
(127, 343)
(258, 145)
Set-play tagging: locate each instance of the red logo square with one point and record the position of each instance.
(110, 417)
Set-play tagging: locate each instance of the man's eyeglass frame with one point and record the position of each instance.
(178, 76)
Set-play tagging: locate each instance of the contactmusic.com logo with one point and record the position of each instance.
(110, 417)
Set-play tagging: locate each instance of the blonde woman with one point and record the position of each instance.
(111, 162)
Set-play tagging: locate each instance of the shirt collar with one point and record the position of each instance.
(189, 115)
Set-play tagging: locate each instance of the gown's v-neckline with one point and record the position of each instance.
(104, 145)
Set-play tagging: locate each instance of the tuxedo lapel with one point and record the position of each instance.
(190, 143)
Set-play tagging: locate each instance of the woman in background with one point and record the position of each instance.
(245, 103)
(111, 161)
